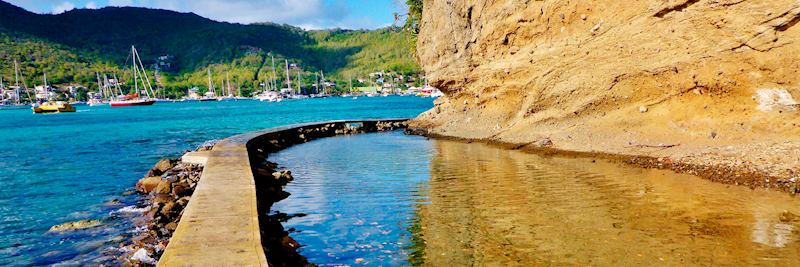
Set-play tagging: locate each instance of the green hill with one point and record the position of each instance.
(72, 46)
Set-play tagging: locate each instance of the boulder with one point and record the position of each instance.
(163, 165)
(171, 226)
(161, 199)
(184, 201)
(163, 187)
(148, 184)
(168, 209)
(181, 189)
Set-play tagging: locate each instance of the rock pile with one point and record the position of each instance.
(168, 187)
(280, 248)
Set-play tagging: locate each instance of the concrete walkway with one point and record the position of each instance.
(219, 226)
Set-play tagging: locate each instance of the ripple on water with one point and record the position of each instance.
(390, 199)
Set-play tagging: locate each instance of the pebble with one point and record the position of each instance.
(643, 109)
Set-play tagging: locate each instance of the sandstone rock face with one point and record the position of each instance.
(618, 76)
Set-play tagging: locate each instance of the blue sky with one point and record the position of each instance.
(309, 14)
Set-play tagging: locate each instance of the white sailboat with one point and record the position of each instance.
(136, 99)
(211, 95)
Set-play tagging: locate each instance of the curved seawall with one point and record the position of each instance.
(221, 225)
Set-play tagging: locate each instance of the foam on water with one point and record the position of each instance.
(132, 209)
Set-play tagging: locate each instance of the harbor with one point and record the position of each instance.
(59, 169)
(399, 133)
(442, 201)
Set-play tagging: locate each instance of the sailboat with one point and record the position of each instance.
(136, 99)
(51, 106)
(271, 92)
(211, 95)
(226, 89)
(97, 99)
(3, 100)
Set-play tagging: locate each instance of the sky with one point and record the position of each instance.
(308, 14)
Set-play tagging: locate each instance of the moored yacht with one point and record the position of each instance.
(136, 99)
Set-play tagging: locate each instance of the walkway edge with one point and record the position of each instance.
(220, 225)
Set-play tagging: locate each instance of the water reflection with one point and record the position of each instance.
(489, 206)
(358, 192)
(389, 199)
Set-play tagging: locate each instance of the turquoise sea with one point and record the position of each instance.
(63, 167)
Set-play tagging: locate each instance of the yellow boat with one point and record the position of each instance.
(53, 107)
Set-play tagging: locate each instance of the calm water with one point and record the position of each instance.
(390, 199)
(64, 167)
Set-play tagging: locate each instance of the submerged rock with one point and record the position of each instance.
(77, 225)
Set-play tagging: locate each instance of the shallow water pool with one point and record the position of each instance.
(390, 199)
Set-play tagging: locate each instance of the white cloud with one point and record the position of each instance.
(63, 7)
(309, 14)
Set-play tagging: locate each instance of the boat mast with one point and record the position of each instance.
(228, 77)
(46, 89)
(274, 74)
(148, 88)
(27, 92)
(134, 71)
(288, 77)
(210, 83)
(99, 85)
(323, 81)
(116, 84)
(16, 80)
(299, 82)
(316, 79)
(107, 92)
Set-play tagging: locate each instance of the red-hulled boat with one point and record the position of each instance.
(135, 102)
(135, 99)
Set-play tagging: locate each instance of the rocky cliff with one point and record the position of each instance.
(704, 82)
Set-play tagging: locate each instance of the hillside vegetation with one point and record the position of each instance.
(74, 45)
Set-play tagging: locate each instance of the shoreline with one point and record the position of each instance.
(164, 192)
(229, 212)
(280, 248)
(719, 173)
